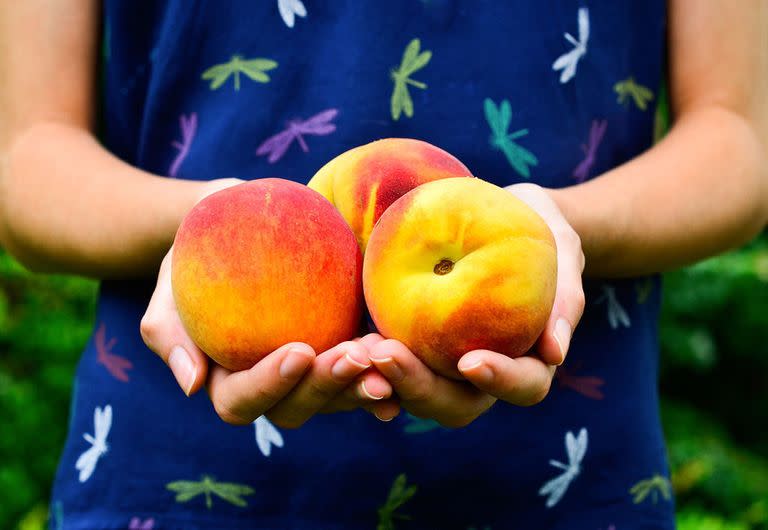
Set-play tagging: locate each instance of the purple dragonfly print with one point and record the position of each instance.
(586, 385)
(115, 364)
(318, 125)
(596, 134)
(138, 524)
(188, 125)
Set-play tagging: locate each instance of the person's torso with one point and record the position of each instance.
(552, 93)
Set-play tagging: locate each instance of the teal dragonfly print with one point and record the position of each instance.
(252, 68)
(230, 492)
(413, 61)
(499, 118)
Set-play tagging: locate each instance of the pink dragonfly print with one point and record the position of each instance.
(115, 364)
(138, 524)
(586, 385)
(596, 134)
(188, 125)
(318, 125)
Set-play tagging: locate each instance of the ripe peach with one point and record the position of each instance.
(364, 181)
(460, 264)
(262, 264)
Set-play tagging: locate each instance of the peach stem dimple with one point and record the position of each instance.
(443, 267)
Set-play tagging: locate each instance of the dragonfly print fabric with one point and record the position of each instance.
(552, 93)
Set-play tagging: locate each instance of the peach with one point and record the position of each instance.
(364, 181)
(457, 265)
(264, 263)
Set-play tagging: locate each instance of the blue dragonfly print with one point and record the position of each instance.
(499, 118)
(576, 447)
(617, 315)
(568, 61)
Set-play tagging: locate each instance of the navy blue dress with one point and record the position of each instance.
(551, 92)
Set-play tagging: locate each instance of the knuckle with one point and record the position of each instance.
(420, 394)
(268, 394)
(316, 391)
(226, 413)
(286, 421)
(457, 422)
(579, 299)
(538, 394)
(569, 236)
(148, 327)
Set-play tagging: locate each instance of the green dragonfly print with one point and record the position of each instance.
(253, 68)
(230, 492)
(413, 61)
(629, 89)
(653, 486)
(399, 494)
(499, 118)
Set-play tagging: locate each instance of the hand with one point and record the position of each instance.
(289, 385)
(490, 376)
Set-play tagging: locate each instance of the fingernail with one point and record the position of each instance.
(563, 337)
(294, 364)
(347, 367)
(381, 418)
(183, 368)
(476, 369)
(389, 368)
(368, 394)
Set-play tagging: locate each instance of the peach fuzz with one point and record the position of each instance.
(457, 265)
(364, 181)
(264, 263)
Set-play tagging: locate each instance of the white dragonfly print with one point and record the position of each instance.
(267, 435)
(289, 9)
(102, 423)
(568, 61)
(576, 447)
(617, 315)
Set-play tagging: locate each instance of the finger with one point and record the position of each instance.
(522, 381)
(370, 340)
(241, 397)
(386, 410)
(331, 372)
(164, 334)
(552, 346)
(424, 393)
(368, 388)
(342, 404)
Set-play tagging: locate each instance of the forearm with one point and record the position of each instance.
(700, 191)
(67, 205)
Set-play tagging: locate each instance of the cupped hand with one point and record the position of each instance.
(288, 386)
(489, 375)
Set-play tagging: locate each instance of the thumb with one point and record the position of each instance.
(164, 334)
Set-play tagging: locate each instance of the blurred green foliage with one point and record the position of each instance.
(44, 323)
(714, 383)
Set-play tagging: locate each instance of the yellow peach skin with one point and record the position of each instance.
(364, 181)
(457, 265)
(264, 263)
